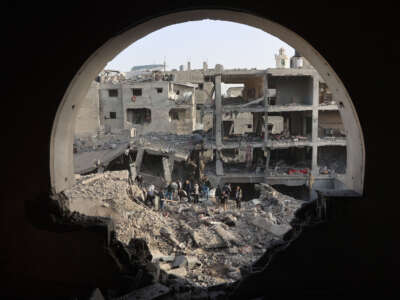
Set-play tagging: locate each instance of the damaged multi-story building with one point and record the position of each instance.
(148, 102)
(282, 128)
(277, 125)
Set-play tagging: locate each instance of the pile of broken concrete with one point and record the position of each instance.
(199, 242)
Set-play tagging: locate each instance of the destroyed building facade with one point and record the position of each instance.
(281, 126)
(151, 104)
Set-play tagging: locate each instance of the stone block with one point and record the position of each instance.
(179, 261)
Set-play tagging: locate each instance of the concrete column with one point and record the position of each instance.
(219, 168)
(268, 156)
(315, 125)
(267, 151)
(167, 170)
(139, 159)
(171, 160)
(218, 112)
(266, 96)
(123, 107)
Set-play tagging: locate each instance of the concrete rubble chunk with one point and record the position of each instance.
(193, 262)
(179, 272)
(227, 236)
(179, 261)
(263, 223)
(256, 201)
(208, 239)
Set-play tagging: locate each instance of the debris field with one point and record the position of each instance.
(199, 242)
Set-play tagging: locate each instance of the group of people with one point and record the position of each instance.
(178, 190)
(223, 195)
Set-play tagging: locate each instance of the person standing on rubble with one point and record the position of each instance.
(224, 198)
(196, 193)
(163, 195)
(129, 164)
(218, 194)
(139, 181)
(206, 187)
(238, 197)
(226, 192)
(187, 187)
(174, 187)
(150, 195)
(169, 192)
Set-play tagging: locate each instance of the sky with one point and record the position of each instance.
(231, 44)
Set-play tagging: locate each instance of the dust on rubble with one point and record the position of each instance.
(200, 242)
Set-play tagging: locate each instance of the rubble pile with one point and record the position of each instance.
(289, 138)
(199, 242)
(167, 141)
(100, 142)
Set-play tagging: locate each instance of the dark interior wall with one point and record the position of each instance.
(47, 43)
(294, 89)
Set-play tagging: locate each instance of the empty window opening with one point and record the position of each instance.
(113, 93)
(113, 115)
(177, 114)
(139, 115)
(137, 92)
(332, 159)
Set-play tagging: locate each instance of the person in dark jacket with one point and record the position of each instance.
(187, 187)
(139, 181)
(238, 197)
(218, 194)
(128, 162)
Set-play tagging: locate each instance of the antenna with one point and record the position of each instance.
(164, 64)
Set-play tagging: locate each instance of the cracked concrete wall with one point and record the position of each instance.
(87, 119)
(109, 105)
(154, 97)
(256, 84)
(242, 122)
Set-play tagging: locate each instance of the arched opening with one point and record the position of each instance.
(61, 166)
(62, 177)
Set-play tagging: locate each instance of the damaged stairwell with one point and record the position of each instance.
(138, 273)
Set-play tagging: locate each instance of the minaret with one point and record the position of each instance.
(281, 59)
